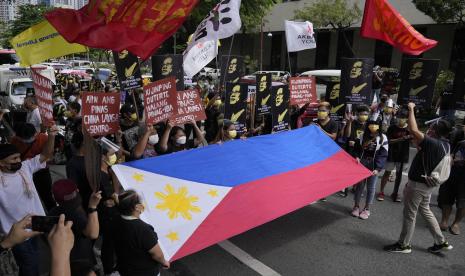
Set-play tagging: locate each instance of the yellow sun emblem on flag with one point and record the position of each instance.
(177, 202)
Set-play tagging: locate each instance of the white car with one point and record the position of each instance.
(210, 72)
(322, 74)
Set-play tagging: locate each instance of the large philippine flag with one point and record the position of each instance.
(198, 198)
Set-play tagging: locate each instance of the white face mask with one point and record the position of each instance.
(153, 139)
(181, 140)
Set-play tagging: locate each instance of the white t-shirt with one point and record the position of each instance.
(14, 201)
(33, 117)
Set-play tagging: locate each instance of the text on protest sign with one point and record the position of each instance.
(100, 113)
(303, 90)
(160, 100)
(43, 93)
(190, 107)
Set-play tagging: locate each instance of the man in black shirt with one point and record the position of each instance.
(326, 124)
(432, 149)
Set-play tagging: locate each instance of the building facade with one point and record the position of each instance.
(9, 10)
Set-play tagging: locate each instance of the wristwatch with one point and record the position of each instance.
(91, 210)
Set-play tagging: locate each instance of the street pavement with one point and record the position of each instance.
(323, 239)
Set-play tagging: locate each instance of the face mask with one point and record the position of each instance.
(14, 167)
(181, 140)
(153, 139)
(217, 103)
(322, 115)
(112, 159)
(68, 114)
(388, 110)
(72, 98)
(133, 117)
(363, 118)
(232, 133)
(373, 128)
(402, 122)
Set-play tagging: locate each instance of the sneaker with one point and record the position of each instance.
(398, 248)
(397, 199)
(439, 247)
(355, 212)
(380, 197)
(365, 214)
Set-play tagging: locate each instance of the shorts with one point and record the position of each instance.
(390, 166)
(453, 190)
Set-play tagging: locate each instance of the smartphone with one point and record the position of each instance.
(43, 224)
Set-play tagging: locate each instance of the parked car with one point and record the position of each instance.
(322, 78)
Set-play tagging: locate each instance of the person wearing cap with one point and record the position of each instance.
(19, 197)
(85, 222)
(417, 193)
(324, 122)
(371, 151)
(33, 115)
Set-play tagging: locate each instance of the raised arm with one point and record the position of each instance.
(92, 228)
(47, 152)
(142, 143)
(165, 137)
(417, 135)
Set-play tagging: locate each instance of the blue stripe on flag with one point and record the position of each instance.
(241, 161)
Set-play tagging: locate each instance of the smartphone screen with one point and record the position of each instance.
(43, 224)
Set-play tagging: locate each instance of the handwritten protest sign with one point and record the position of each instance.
(160, 100)
(190, 107)
(303, 90)
(43, 93)
(100, 113)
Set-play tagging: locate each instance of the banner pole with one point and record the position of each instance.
(289, 60)
(229, 57)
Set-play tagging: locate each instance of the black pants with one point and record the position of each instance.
(398, 179)
(106, 217)
(43, 183)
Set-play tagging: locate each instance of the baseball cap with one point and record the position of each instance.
(64, 190)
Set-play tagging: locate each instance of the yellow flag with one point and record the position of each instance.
(42, 42)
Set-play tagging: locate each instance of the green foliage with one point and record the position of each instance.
(441, 83)
(443, 10)
(336, 14)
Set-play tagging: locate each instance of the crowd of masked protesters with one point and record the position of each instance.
(378, 136)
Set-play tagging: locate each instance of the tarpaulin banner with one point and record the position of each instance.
(280, 108)
(381, 21)
(356, 80)
(263, 100)
(190, 107)
(100, 113)
(41, 42)
(333, 90)
(459, 85)
(235, 106)
(139, 26)
(299, 36)
(303, 90)
(418, 81)
(128, 70)
(44, 95)
(199, 56)
(160, 101)
(164, 66)
(232, 68)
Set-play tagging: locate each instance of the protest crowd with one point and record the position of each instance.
(93, 225)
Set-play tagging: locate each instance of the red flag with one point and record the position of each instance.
(381, 21)
(139, 26)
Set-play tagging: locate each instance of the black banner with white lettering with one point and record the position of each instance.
(164, 66)
(235, 105)
(232, 68)
(459, 85)
(332, 96)
(263, 99)
(280, 108)
(418, 78)
(356, 80)
(128, 70)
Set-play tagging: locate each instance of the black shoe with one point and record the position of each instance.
(440, 247)
(398, 248)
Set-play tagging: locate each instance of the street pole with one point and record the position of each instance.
(261, 45)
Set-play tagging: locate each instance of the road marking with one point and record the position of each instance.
(248, 260)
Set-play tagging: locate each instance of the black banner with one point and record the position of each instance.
(164, 66)
(418, 81)
(332, 96)
(232, 68)
(128, 70)
(263, 99)
(280, 108)
(235, 106)
(356, 80)
(459, 85)
(84, 85)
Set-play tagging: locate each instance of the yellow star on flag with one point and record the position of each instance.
(138, 177)
(172, 236)
(177, 202)
(213, 192)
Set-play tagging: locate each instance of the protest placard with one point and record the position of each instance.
(263, 98)
(280, 108)
(44, 96)
(232, 68)
(356, 80)
(189, 107)
(164, 66)
(303, 90)
(333, 89)
(235, 105)
(100, 113)
(459, 85)
(160, 100)
(128, 70)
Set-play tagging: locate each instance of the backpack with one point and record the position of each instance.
(441, 172)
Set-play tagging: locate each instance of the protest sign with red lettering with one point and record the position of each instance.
(43, 93)
(100, 113)
(190, 107)
(160, 100)
(303, 90)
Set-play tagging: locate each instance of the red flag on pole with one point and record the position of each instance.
(381, 21)
(139, 26)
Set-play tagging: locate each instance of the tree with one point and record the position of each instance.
(334, 14)
(443, 11)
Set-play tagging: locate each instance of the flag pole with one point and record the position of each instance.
(289, 60)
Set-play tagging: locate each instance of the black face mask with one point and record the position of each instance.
(14, 167)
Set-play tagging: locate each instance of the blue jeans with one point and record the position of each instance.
(27, 257)
(370, 183)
